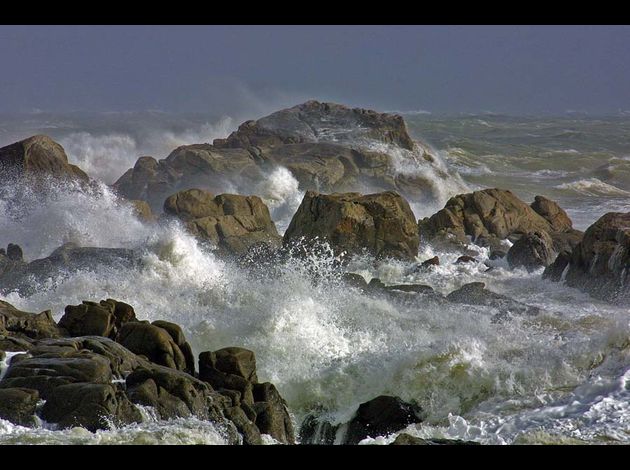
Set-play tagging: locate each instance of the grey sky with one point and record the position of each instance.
(235, 69)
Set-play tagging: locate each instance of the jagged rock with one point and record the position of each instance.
(35, 157)
(272, 416)
(381, 224)
(404, 439)
(233, 223)
(18, 405)
(25, 325)
(532, 251)
(89, 319)
(475, 293)
(123, 312)
(249, 430)
(89, 405)
(491, 215)
(153, 342)
(599, 264)
(326, 146)
(44, 374)
(67, 258)
(381, 416)
(177, 334)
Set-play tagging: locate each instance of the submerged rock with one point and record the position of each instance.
(599, 264)
(475, 293)
(404, 439)
(381, 416)
(381, 224)
(231, 222)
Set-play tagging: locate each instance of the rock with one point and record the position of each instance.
(491, 215)
(475, 293)
(14, 252)
(354, 280)
(325, 146)
(466, 259)
(249, 431)
(435, 261)
(27, 325)
(381, 224)
(599, 264)
(44, 374)
(89, 318)
(68, 258)
(553, 213)
(123, 312)
(404, 439)
(532, 251)
(376, 285)
(142, 210)
(381, 416)
(18, 405)
(153, 342)
(37, 156)
(315, 430)
(230, 368)
(272, 416)
(89, 405)
(231, 222)
(177, 334)
(554, 271)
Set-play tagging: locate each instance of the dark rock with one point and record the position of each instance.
(354, 280)
(14, 252)
(532, 251)
(18, 405)
(465, 259)
(27, 325)
(381, 224)
(177, 334)
(475, 293)
(231, 222)
(123, 312)
(381, 416)
(554, 271)
(599, 263)
(417, 288)
(376, 285)
(435, 261)
(408, 440)
(153, 342)
(89, 319)
(315, 430)
(235, 361)
(249, 431)
(37, 156)
(89, 405)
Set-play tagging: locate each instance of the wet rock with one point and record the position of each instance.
(404, 439)
(315, 430)
(18, 405)
(142, 211)
(381, 416)
(153, 342)
(554, 271)
(89, 405)
(465, 259)
(249, 430)
(532, 251)
(14, 252)
(272, 416)
(232, 222)
(475, 293)
(354, 280)
(37, 156)
(599, 263)
(416, 288)
(553, 213)
(376, 285)
(123, 312)
(381, 224)
(25, 325)
(87, 319)
(177, 334)
(435, 261)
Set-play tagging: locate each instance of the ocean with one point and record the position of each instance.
(560, 377)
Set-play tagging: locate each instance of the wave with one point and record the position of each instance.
(593, 187)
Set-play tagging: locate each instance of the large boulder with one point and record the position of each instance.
(491, 215)
(177, 334)
(153, 342)
(326, 147)
(69, 257)
(20, 324)
(88, 318)
(381, 416)
(231, 222)
(600, 263)
(232, 372)
(37, 156)
(532, 251)
(18, 405)
(381, 224)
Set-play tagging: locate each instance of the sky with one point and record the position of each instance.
(256, 69)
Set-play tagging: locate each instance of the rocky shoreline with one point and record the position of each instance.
(100, 365)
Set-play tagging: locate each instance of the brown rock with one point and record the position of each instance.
(153, 342)
(89, 318)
